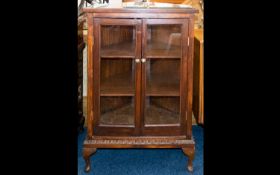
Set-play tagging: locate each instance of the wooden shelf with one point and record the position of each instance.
(162, 91)
(120, 50)
(158, 86)
(127, 50)
(156, 115)
(120, 116)
(161, 50)
(119, 85)
(124, 115)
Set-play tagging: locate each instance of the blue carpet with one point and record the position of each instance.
(142, 161)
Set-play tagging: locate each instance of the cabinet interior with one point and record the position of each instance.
(162, 74)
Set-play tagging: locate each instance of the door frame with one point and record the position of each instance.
(115, 130)
(168, 129)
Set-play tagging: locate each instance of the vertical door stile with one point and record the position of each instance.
(138, 79)
(96, 72)
(143, 73)
(189, 77)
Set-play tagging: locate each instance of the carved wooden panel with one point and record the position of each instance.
(139, 141)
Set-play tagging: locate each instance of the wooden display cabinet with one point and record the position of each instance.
(140, 79)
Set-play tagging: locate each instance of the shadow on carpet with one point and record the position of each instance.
(142, 161)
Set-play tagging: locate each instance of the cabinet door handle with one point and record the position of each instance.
(137, 60)
(143, 60)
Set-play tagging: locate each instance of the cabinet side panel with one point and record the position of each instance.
(90, 76)
(190, 77)
(96, 73)
(196, 80)
(184, 74)
(201, 81)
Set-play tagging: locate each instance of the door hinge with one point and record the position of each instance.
(188, 41)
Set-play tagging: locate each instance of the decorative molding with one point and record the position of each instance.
(139, 141)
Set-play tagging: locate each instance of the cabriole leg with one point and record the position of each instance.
(87, 152)
(189, 151)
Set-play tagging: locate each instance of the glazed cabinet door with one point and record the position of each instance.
(164, 68)
(117, 76)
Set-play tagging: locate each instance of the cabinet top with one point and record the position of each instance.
(143, 10)
(140, 10)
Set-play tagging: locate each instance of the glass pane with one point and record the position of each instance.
(162, 103)
(117, 110)
(163, 77)
(162, 110)
(117, 41)
(117, 91)
(117, 77)
(163, 41)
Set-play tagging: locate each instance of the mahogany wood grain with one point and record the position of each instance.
(121, 34)
(198, 91)
(190, 78)
(90, 76)
(184, 80)
(189, 151)
(96, 70)
(138, 79)
(87, 152)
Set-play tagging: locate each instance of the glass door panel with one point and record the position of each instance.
(117, 91)
(162, 75)
(163, 40)
(118, 41)
(117, 75)
(162, 95)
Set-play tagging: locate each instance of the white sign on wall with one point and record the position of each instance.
(115, 3)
